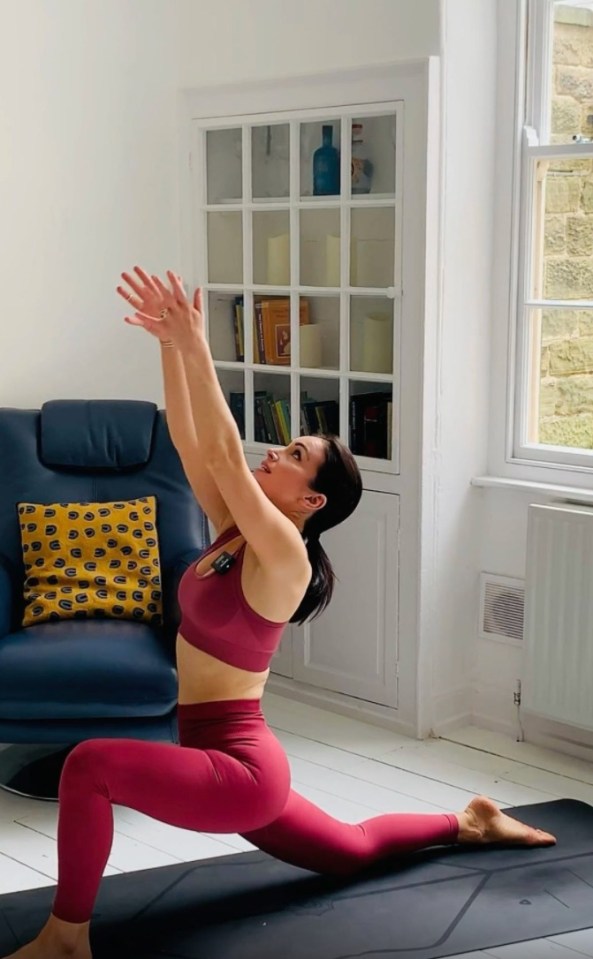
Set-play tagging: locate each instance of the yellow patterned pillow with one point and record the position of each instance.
(91, 560)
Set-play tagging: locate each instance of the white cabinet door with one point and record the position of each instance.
(282, 661)
(352, 647)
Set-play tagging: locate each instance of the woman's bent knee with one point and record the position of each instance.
(85, 763)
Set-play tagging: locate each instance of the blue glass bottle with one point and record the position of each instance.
(326, 166)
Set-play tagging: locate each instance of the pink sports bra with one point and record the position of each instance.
(216, 617)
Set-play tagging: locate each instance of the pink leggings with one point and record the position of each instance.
(228, 775)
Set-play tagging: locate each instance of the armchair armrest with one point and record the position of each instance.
(6, 601)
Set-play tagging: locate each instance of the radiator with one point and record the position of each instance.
(557, 678)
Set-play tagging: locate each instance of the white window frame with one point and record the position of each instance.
(524, 53)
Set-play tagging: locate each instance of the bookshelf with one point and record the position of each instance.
(315, 302)
(303, 291)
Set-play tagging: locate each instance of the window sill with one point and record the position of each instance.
(543, 489)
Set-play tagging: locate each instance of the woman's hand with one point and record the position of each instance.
(163, 312)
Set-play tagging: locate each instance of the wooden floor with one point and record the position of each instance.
(350, 769)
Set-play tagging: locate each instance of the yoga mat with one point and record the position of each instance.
(437, 902)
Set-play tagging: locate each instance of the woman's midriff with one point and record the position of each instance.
(203, 678)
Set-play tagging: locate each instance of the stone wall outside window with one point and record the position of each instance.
(566, 191)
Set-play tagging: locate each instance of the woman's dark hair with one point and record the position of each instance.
(338, 478)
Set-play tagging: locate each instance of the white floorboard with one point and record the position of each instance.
(350, 769)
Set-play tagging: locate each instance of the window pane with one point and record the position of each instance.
(224, 165)
(271, 409)
(370, 419)
(270, 161)
(563, 230)
(225, 326)
(225, 247)
(320, 406)
(320, 248)
(571, 74)
(372, 247)
(561, 394)
(371, 334)
(271, 248)
(233, 387)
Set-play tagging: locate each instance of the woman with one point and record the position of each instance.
(265, 568)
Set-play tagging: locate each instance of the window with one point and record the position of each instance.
(553, 422)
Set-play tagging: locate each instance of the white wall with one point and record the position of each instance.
(88, 187)
(88, 167)
(230, 40)
(457, 367)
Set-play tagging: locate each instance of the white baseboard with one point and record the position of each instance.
(359, 709)
(451, 709)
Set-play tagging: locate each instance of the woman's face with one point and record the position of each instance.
(286, 474)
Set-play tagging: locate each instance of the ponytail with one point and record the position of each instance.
(321, 585)
(338, 478)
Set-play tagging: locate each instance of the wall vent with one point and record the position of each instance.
(502, 608)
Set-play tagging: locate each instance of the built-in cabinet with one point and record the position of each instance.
(304, 222)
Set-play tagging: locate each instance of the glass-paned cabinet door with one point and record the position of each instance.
(226, 329)
(271, 247)
(373, 156)
(371, 334)
(272, 422)
(232, 383)
(270, 154)
(319, 400)
(224, 162)
(372, 247)
(225, 247)
(319, 247)
(319, 339)
(301, 247)
(370, 419)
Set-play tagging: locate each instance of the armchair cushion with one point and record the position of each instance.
(86, 670)
(93, 434)
(91, 560)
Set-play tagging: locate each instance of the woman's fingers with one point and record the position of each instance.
(165, 293)
(134, 301)
(148, 320)
(130, 280)
(176, 286)
(146, 279)
(198, 299)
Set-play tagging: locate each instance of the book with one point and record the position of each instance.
(238, 328)
(260, 434)
(237, 407)
(359, 402)
(374, 430)
(272, 403)
(285, 406)
(284, 430)
(259, 353)
(275, 323)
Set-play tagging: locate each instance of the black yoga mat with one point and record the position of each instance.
(438, 902)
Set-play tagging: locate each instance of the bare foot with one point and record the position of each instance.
(40, 950)
(57, 940)
(483, 822)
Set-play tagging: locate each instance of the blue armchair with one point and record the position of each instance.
(67, 681)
